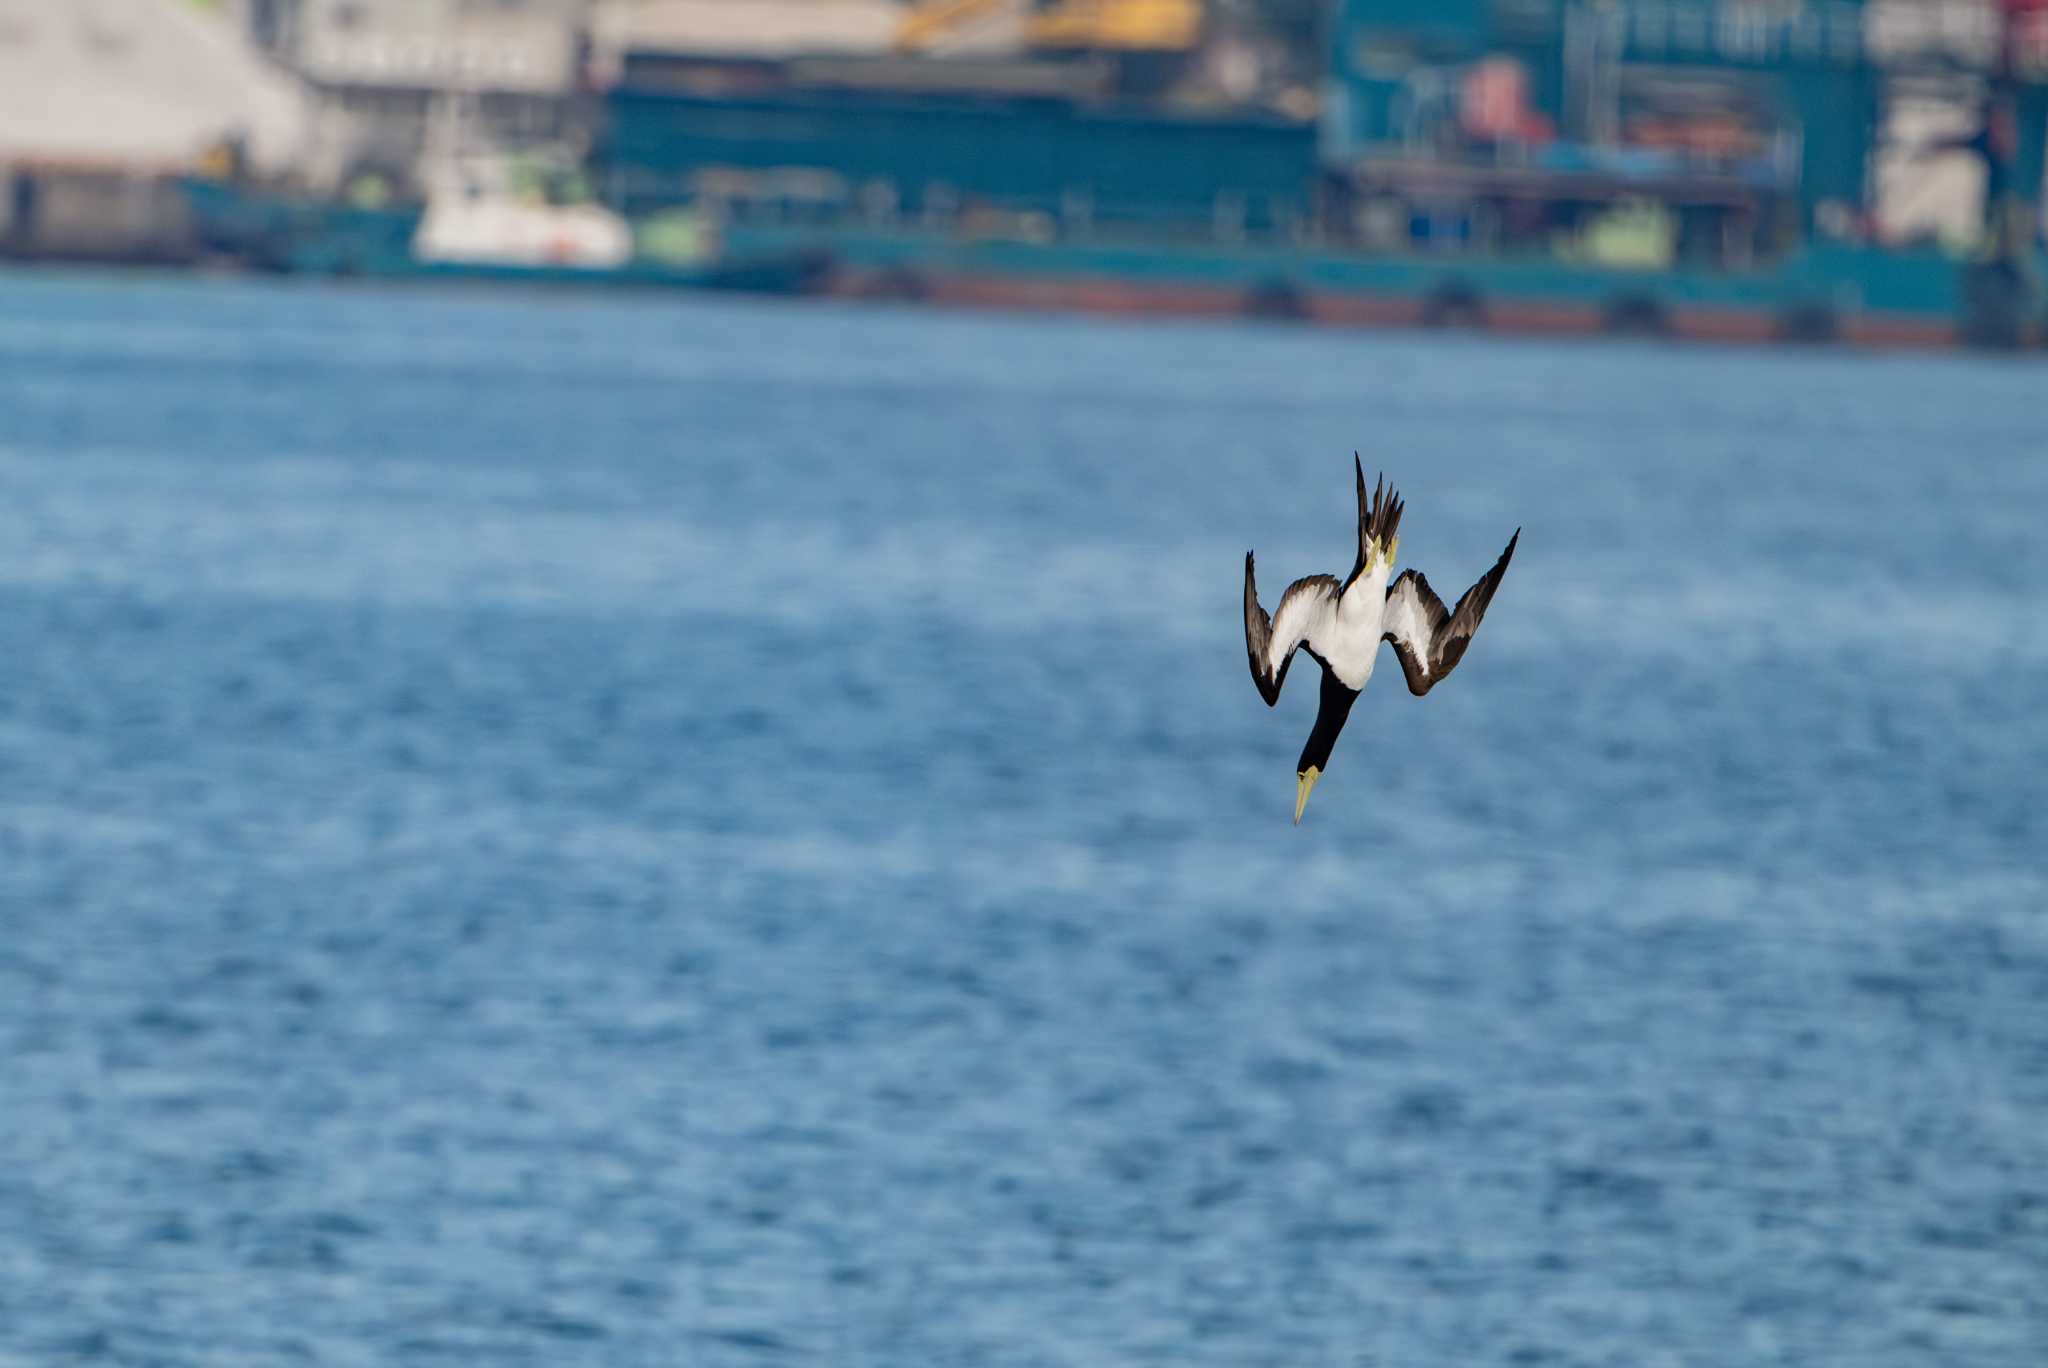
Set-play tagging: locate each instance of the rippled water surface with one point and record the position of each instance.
(568, 830)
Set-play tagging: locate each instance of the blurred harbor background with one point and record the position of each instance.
(624, 739)
(1756, 169)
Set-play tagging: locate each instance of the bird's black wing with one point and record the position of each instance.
(1270, 643)
(1430, 641)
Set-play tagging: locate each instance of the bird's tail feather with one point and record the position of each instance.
(1379, 517)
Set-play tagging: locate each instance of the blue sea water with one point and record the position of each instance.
(557, 829)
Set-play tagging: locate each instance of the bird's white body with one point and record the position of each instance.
(1354, 634)
(1342, 625)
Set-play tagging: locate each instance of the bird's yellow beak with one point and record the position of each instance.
(1303, 782)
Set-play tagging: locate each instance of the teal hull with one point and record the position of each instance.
(1847, 293)
(799, 270)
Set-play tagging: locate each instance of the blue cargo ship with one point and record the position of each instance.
(1684, 167)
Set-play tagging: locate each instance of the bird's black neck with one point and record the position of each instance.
(1330, 714)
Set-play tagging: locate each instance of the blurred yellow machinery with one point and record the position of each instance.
(1072, 25)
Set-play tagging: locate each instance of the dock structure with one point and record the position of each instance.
(1868, 170)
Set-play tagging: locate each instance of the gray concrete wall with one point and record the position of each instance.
(136, 84)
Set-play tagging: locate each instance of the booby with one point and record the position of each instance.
(1342, 625)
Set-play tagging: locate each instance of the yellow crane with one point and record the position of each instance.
(1091, 25)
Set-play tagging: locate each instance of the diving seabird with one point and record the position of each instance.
(1342, 626)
